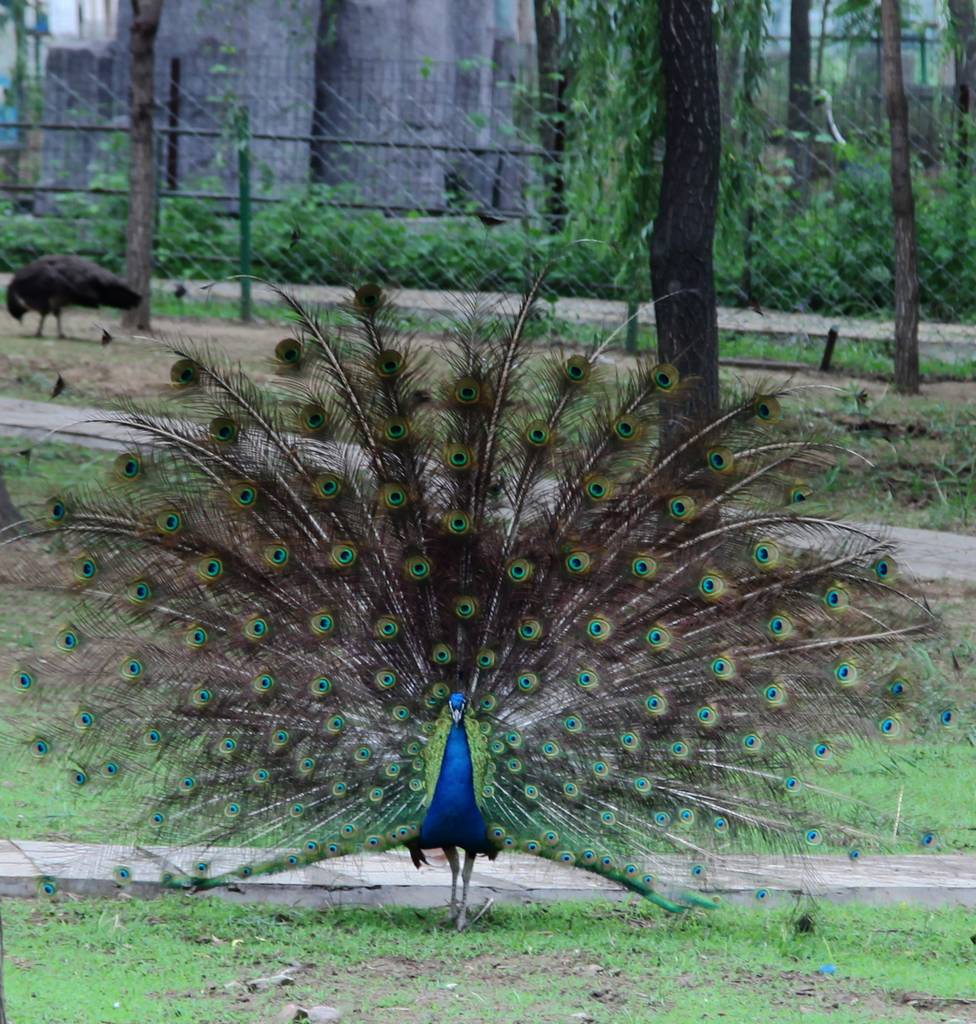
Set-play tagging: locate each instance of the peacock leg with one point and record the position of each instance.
(452, 858)
(462, 916)
(57, 314)
(40, 326)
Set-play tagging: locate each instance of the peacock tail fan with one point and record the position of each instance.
(665, 652)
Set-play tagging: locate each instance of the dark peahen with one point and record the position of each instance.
(51, 283)
(460, 598)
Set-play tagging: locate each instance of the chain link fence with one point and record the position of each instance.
(431, 176)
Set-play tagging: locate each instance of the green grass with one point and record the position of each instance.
(172, 959)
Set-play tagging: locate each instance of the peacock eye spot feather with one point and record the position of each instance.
(466, 608)
(550, 748)
(79, 778)
(658, 638)
(752, 743)
(343, 556)
(280, 737)
(588, 679)
(223, 430)
(256, 628)
(322, 622)
(417, 568)
(441, 654)
(791, 783)
(597, 488)
(681, 508)
(578, 563)
(573, 723)
(666, 377)
(884, 569)
(947, 717)
(599, 629)
(184, 373)
(929, 839)
(196, 637)
(389, 364)
(152, 738)
(202, 696)
(467, 391)
(23, 680)
(822, 751)
(263, 683)
(312, 419)
(139, 592)
(519, 570)
(577, 370)
(846, 673)
(836, 599)
(386, 628)
(488, 702)
(625, 428)
(84, 720)
(67, 640)
(40, 747)
(56, 510)
(320, 686)
(798, 494)
(528, 682)
(169, 523)
(538, 434)
(775, 695)
(720, 460)
(111, 769)
(209, 569)
(723, 667)
(644, 567)
(813, 837)
(766, 554)
(530, 630)
(401, 713)
(368, 298)
(571, 789)
(642, 784)
(662, 819)
(328, 486)
(128, 467)
(244, 495)
(656, 704)
(393, 496)
(336, 724)
(288, 352)
(890, 727)
(707, 715)
(486, 659)
(766, 408)
(457, 523)
(458, 457)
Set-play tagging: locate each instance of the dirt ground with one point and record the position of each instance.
(135, 367)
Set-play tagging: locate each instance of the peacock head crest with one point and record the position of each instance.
(457, 704)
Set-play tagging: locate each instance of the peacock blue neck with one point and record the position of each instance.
(453, 817)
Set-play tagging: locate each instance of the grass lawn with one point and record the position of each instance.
(186, 959)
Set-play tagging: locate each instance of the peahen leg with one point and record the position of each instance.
(465, 881)
(452, 858)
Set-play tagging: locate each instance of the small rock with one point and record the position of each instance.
(274, 981)
(291, 1012)
(323, 1014)
(592, 969)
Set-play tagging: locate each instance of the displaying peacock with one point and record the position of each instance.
(460, 597)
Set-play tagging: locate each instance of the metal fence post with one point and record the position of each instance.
(244, 207)
(631, 342)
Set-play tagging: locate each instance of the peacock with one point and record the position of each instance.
(463, 595)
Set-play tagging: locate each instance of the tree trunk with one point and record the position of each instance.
(324, 41)
(800, 103)
(684, 229)
(902, 205)
(142, 169)
(8, 514)
(553, 81)
(963, 20)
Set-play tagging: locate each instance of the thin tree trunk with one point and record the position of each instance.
(822, 41)
(963, 19)
(142, 169)
(684, 229)
(324, 42)
(553, 79)
(800, 102)
(903, 206)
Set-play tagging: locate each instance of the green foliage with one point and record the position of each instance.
(836, 253)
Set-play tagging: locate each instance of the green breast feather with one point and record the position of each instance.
(437, 744)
